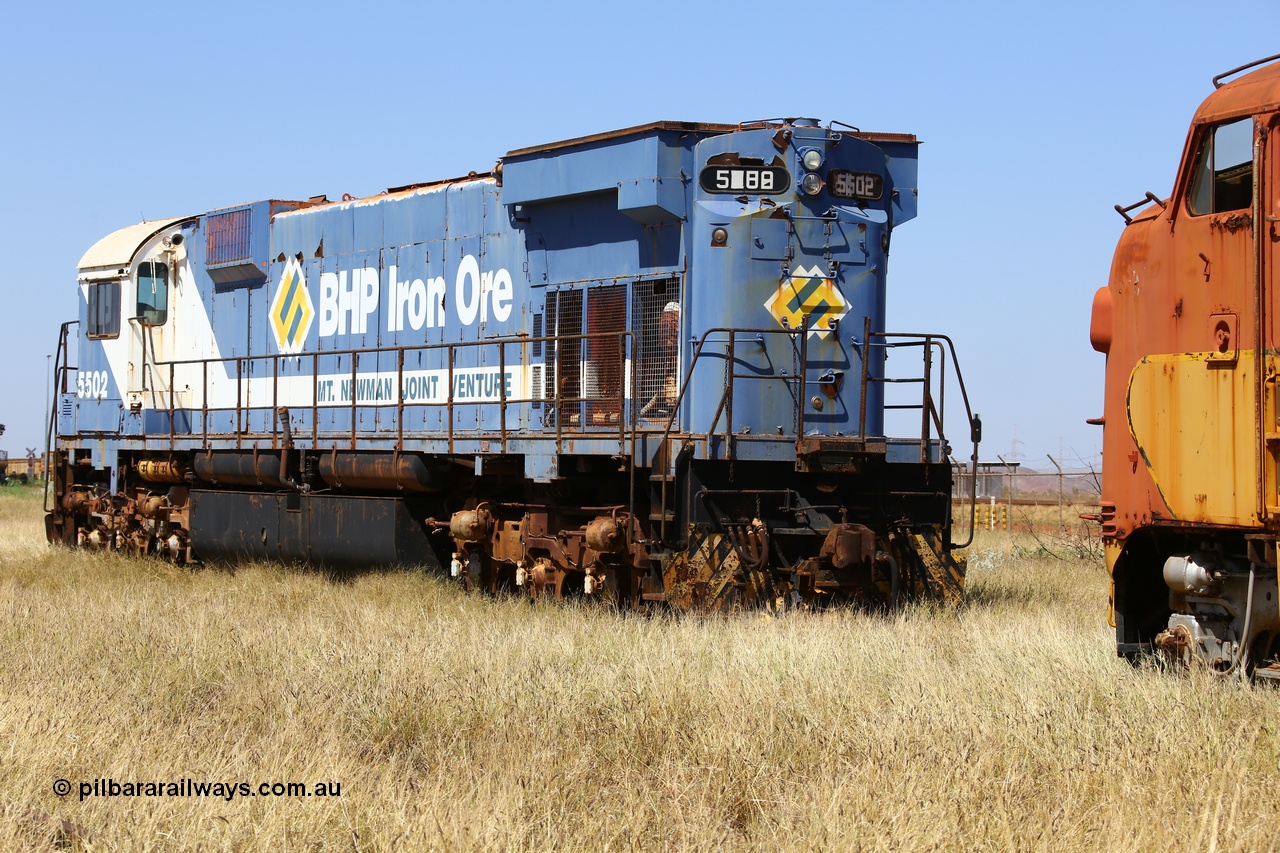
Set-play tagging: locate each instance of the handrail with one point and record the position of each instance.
(726, 399)
(627, 414)
(244, 372)
(697, 355)
(60, 370)
(928, 341)
(932, 407)
(1217, 81)
(1149, 198)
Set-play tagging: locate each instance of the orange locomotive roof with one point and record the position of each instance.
(1255, 92)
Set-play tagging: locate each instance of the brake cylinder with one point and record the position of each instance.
(604, 535)
(470, 525)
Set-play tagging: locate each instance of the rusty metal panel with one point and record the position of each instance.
(332, 530)
(1186, 415)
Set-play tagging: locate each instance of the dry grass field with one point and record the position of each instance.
(453, 722)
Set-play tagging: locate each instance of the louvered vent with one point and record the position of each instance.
(228, 253)
(228, 238)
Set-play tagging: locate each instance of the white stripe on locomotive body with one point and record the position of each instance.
(373, 388)
(523, 383)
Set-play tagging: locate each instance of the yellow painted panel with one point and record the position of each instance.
(1113, 550)
(1195, 425)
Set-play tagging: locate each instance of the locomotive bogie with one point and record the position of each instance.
(646, 366)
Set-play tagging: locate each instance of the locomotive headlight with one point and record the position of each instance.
(719, 236)
(812, 159)
(811, 184)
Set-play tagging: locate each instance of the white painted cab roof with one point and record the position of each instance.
(115, 251)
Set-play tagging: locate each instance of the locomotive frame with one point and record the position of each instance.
(582, 371)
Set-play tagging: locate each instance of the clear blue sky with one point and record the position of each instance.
(1035, 118)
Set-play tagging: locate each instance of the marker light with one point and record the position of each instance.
(811, 184)
(812, 159)
(719, 237)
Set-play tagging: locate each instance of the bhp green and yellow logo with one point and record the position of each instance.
(809, 292)
(292, 311)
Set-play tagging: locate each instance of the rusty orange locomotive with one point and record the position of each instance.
(1190, 324)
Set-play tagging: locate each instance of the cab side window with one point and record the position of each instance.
(1223, 176)
(104, 309)
(153, 293)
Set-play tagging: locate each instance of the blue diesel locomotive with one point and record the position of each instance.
(647, 365)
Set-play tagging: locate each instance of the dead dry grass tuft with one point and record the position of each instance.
(455, 722)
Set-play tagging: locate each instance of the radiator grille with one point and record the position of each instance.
(227, 237)
(655, 324)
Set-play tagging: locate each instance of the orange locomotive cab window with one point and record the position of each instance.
(1223, 175)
